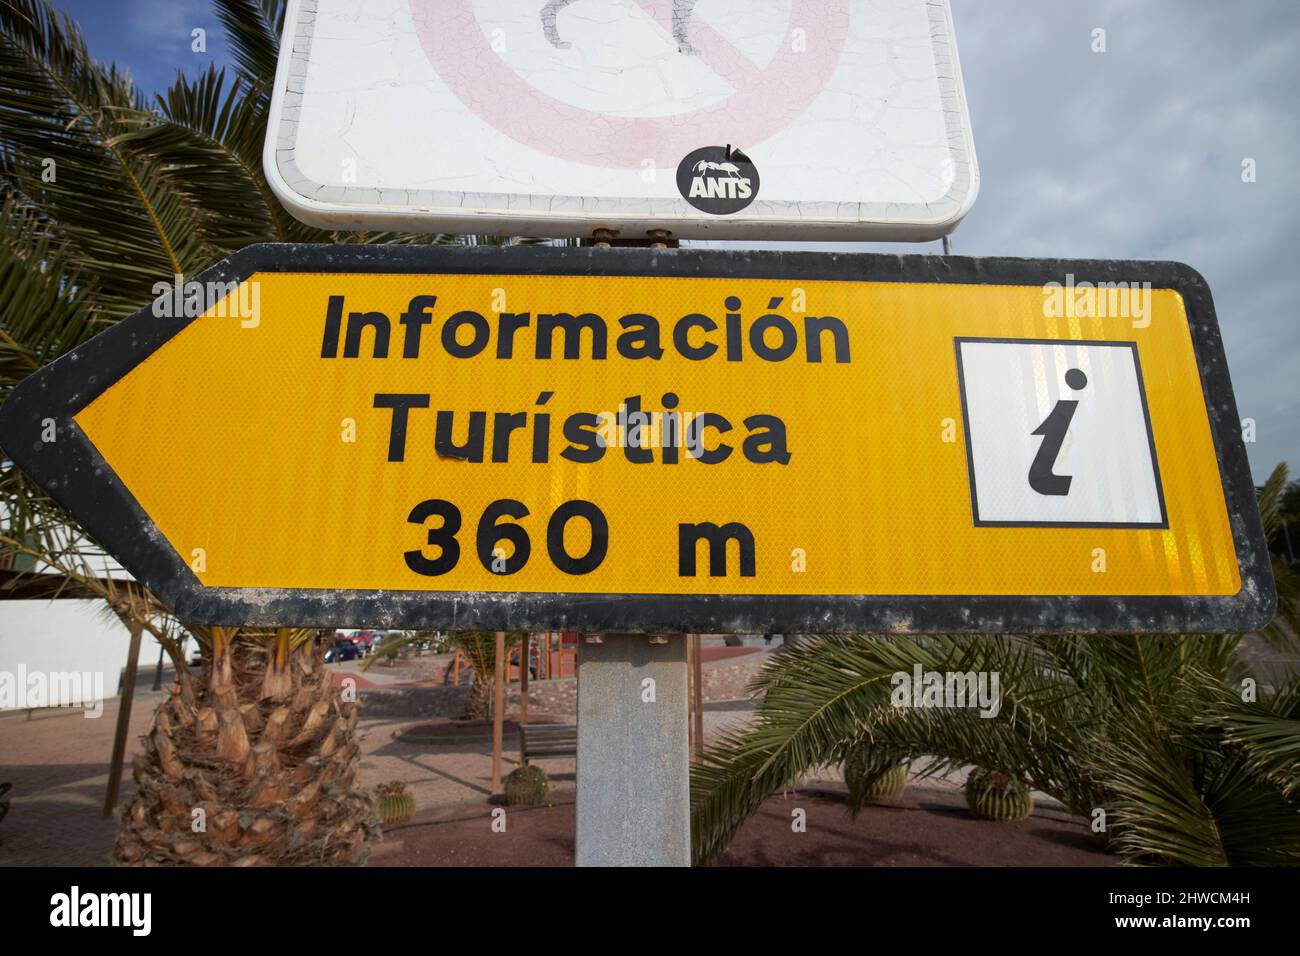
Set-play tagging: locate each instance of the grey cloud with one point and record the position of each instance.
(1136, 153)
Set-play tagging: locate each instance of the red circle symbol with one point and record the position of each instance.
(765, 100)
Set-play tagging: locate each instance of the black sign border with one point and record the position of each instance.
(73, 472)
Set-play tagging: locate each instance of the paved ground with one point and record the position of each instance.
(927, 826)
(1266, 662)
(58, 764)
(58, 761)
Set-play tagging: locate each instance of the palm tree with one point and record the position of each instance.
(257, 765)
(103, 195)
(479, 649)
(254, 763)
(1191, 763)
(1276, 499)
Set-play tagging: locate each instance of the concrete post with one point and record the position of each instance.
(633, 805)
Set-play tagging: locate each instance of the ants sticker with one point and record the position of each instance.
(717, 179)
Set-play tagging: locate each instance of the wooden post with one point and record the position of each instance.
(698, 702)
(123, 718)
(498, 711)
(690, 693)
(455, 669)
(523, 677)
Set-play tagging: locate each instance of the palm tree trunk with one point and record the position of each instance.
(478, 705)
(259, 769)
(479, 649)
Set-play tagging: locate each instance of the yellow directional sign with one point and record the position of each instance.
(674, 440)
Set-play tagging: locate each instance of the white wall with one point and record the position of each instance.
(68, 635)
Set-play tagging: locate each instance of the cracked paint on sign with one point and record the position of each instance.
(550, 118)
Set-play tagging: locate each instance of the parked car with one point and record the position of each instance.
(342, 649)
(534, 659)
(367, 640)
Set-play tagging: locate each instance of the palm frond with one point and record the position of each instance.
(1268, 732)
(208, 137)
(253, 29)
(827, 695)
(1283, 632)
(1184, 795)
(45, 307)
(1094, 721)
(59, 114)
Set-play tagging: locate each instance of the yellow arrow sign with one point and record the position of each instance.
(796, 430)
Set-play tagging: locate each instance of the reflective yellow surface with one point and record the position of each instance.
(235, 440)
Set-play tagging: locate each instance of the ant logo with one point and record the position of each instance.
(682, 10)
(731, 169)
(717, 179)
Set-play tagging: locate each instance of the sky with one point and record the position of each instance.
(1135, 152)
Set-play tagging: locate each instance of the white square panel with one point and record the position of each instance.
(1058, 433)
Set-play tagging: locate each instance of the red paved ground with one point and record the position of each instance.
(925, 828)
(361, 682)
(710, 652)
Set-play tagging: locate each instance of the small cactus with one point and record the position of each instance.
(396, 804)
(874, 777)
(992, 795)
(526, 786)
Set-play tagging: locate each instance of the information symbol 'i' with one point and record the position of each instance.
(1041, 476)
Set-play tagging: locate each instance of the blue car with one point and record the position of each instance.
(342, 649)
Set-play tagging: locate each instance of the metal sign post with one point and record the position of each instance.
(633, 805)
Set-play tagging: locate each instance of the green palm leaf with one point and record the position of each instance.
(253, 29)
(208, 137)
(1126, 724)
(828, 694)
(1268, 732)
(59, 114)
(1187, 803)
(1284, 630)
